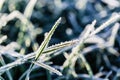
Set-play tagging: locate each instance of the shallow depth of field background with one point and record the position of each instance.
(23, 24)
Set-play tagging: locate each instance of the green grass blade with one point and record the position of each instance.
(59, 46)
(47, 39)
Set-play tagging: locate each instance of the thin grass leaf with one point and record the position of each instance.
(3, 38)
(113, 51)
(1, 4)
(108, 75)
(23, 75)
(88, 68)
(87, 77)
(43, 45)
(29, 8)
(114, 34)
(7, 72)
(48, 68)
(88, 29)
(47, 39)
(116, 77)
(60, 46)
(113, 19)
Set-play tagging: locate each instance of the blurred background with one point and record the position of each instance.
(25, 22)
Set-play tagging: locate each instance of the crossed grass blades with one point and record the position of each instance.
(70, 59)
(77, 46)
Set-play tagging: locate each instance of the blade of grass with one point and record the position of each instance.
(29, 8)
(113, 34)
(3, 38)
(48, 68)
(7, 72)
(47, 39)
(1, 4)
(113, 19)
(60, 46)
(108, 75)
